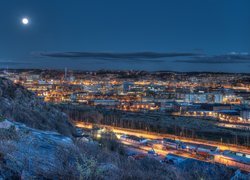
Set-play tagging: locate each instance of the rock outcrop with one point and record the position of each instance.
(21, 105)
(30, 153)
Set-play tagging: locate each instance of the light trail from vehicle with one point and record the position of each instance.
(152, 135)
(163, 153)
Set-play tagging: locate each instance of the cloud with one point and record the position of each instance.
(219, 59)
(150, 57)
(111, 55)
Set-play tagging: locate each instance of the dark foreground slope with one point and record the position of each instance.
(27, 153)
(23, 106)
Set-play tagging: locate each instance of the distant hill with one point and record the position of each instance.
(21, 105)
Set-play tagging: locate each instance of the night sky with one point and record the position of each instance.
(176, 35)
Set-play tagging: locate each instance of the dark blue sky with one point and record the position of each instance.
(212, 28)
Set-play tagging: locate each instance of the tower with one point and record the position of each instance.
(65, 73)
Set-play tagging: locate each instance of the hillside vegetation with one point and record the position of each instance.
(23, 106)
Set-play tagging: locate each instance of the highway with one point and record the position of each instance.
(152, 135)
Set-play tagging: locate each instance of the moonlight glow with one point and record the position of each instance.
(25, 21)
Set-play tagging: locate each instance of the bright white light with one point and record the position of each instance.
(25, 21)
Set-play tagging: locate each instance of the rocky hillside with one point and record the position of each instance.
(23, 106)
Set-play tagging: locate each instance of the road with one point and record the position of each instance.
(149, 135)
(152, 135)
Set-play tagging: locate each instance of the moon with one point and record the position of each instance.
(25, 21)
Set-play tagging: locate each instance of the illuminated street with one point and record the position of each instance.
(151, 135)
(163, 153)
